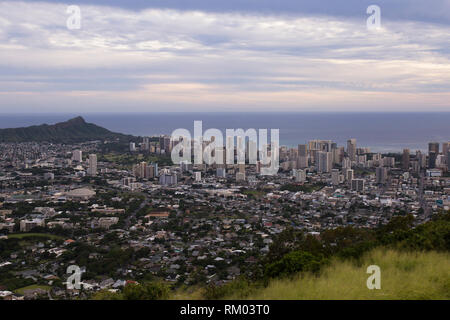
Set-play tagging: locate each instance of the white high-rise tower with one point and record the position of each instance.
(92, 170)
(77, 155)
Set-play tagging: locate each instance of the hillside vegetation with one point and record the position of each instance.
(414, 263)
(404, 275)
(73, 130)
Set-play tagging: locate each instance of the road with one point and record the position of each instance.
(422, 201)
(133, 214)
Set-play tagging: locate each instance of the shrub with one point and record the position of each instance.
(239, 289)
(148, 291)
(293, 262)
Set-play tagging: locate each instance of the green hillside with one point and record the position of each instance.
(414, 263)
(73, 130)
(404, 275)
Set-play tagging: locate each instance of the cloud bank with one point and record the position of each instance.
(177, 59)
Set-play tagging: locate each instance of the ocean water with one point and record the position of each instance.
(382, 132)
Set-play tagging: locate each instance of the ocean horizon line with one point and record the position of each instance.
(380, 131)
(217, 112)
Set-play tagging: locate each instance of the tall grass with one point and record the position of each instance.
(404, 275)
(188, 293)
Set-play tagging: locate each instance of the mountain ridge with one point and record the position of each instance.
(70, 131)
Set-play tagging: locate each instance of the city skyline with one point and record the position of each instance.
(237, 153)
(175, 221)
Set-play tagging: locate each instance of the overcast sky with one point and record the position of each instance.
(208, 55)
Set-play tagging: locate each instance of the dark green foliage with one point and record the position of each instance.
(8, 246)
(242, 287)
(74, 130)
(146, 291)
(11, 282)
(293, 262)
(292, 251)
(347, 242)
(287, 241)
(303, 187)
(433, 235)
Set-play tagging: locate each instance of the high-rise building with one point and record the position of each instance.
(150, 172)
(313, 148)
(77, 155)
(324, 161)
(302, 150)
(293, 153)
(293, 164)
(362, 150)
(28, 224)
(161, 142)
(286, 166)
(432, 157)
(388, 162)
(132, 146)
(405, 160)
(168, 178)
(144, 171)
(433, 147)
(198, 176)
(258, 166)
(376, 158)
(448, 160)
(415, 167)
(445, 151)
(338, 155)
(381, 175)
(185, 166)
(421, 159)
(440, 161)
(433, 152)
(335, 175)
(361, 159)
(221, 172)
(346, 163)
(351, 149)
(146, 143)
(92, 170)
(358, 184)
(349, 175)
(128, 181)
(251, 151)
(326, 145)
(299, 175)
(302, 162)
(302, 159)
(445, 147)
(167, 145)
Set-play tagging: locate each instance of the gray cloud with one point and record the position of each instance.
(436, 11)
(178, 57)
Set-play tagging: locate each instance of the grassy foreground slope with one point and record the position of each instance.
(414, 262)
(414, 275)
(404, 275)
